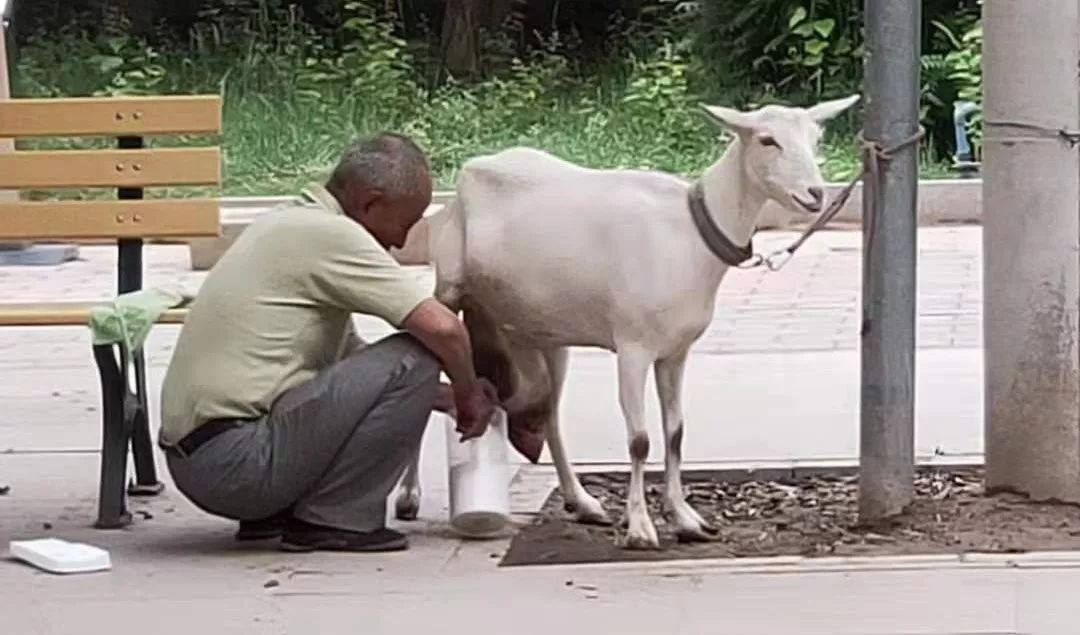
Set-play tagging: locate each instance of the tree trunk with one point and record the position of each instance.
(463, 21)
(142, 15)
(460, 45)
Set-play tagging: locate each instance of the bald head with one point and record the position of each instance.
(384, 183)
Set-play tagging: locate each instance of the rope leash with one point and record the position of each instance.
(1070, 137)
(874, 155)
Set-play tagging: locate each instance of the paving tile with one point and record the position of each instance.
(814, 303)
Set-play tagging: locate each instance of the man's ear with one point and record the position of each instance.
(364, 198)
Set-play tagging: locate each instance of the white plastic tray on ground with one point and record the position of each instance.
(60, 556)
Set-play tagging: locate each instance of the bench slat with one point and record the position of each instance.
(121, 116)
(72, 220)
(64, 314)
(110, 168)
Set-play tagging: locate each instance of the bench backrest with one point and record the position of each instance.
(129, 167)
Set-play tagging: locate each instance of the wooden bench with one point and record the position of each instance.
(130, 167)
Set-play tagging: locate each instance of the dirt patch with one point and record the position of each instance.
(803, 514)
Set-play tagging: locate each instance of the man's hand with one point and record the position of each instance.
(444, 400)
(472, 399)
(474, 406)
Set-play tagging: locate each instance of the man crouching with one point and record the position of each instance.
(273, 412)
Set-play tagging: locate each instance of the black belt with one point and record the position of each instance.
(197, 437)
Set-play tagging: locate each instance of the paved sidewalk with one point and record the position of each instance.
(774, 379)
(810, 305)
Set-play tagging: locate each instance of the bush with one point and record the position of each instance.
(296, 89)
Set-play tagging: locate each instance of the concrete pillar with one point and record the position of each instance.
(1031, 247)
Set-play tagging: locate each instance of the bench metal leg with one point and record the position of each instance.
(112, 511)
(142, 446)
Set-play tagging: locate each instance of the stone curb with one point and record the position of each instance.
(941, 202)
(1035, 560)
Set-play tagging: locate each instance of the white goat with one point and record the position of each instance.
(542, 254)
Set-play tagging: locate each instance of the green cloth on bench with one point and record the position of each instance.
(127, 320)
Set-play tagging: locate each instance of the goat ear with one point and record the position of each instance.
(828, 109)
(729, 118)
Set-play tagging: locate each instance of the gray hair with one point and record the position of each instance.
(387, 161)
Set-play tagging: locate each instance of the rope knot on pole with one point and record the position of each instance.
(874, 155)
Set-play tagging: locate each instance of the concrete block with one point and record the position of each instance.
(206, 251)
(38, 255)
(950, 201)
(946, 201)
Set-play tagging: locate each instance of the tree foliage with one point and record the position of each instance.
(652, 59)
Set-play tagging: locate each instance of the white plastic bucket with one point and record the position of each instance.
(479, 479)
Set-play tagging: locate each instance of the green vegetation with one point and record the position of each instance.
(296, 88)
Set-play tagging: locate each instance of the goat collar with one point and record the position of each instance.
(715, 239)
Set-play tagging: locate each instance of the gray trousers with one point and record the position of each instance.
(332, 449)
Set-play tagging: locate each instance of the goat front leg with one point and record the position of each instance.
(407, 505)
(583, 505)
(689, 526)
(633, 365)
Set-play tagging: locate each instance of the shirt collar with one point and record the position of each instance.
(323, 198)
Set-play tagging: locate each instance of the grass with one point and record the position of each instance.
(274, 147)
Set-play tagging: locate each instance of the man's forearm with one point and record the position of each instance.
(446, 337)
(454, 350)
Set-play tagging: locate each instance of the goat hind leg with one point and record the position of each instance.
(689, 526)
(633, 366)
(582, 504)
(407, 504)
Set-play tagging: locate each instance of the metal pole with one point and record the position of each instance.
(1031, 238)
(887, 410)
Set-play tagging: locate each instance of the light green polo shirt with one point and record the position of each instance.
(275, 309)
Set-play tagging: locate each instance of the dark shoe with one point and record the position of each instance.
(300, 536)
(263, 528)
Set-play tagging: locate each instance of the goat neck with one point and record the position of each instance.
(732, 200)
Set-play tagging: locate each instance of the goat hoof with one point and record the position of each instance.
(407, 506)
(589, 511)
(710, 529)
(641, 543)
(641, 535)
(695, 534)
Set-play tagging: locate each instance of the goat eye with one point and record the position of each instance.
(767, 140)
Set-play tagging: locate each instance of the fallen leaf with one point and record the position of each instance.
(877, 539)
(943, 494)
